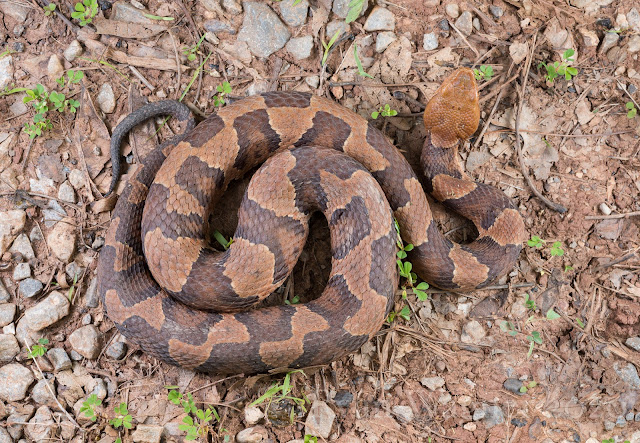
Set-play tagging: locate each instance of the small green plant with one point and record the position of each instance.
(484, 73)
(159, 17)
(580, 322)
(359, 63)
(223, 241)
(223, 89)
(535, 242)
(631, 110)
(122, 418)
(85, 11)
(327, 46)
(281, 392)
(192, 52)
(39, 349)
(48, 9)
(89, 407)
(556, 249)
(556, 69)
(509, 328)
(385, 111)
(526, 386)
(294, 300)
(568, 268)
(405, 267)
(529, 303)
(404, 313)
(73, 78)
(310, 439)
(355, 7)
(552, 315)
(196, 424)
(533, 339)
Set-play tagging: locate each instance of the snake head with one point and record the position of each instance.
(453, 113)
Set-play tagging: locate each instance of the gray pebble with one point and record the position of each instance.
(430, 41)
(41, 393)
(464, 23)
(404, 413)
(73, 270)
(452, 10)
(15, 420)
(496, 11)
(106, 99)
(343, 398)
(609, 425)
(98, 242)
(216, 26)
(313, 81)
(628, 373)
(432, 383)
(637, 419)
(59, 358)
(5, 437)
(513, 385)
(294, 15)
(47, 312)
(117, 350)
(66, 193)
(634, 44)
(444, 25)
(75, 356)
(7, 313)
(629, 416)
(76, 178)
(341, 8)
(87, 341)
(54, 214)
(21, 271)
(262, 29)
(494, 416)
(609, 41)
(18, 30)
(632, 88)
(86, 319)
(232, 6)
(634, 343)
(15, 379)
(6, 71)
(479, 414)
(73, 50)
(18, 46)
(22, 245)
(633, 17)
(4, 294)
(35, 234)
(621, 422)
(55, 69)
(336, 26)
(100, 388)
(300, 47)
(91, 296)
(384, 39)
(9, 347)
(320, 420)
(30, 287)
(380, 19)
(41, 426)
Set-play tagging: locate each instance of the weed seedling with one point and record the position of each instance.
(355, 7)
(223, 89)
(404, 269)
(385, 111)
(631, 110)
(529, 303)
(48, 9)
(282, 391)
(196, 424)
(192, 52)
(556, 249)
(525, 387)
(484, 73)
(560, 68)
(89, 407)
(533, 339)
(223, 241)
(85, 11)
(294, 300)
(328, 46)
(404, 313)
(359, 63)
(310, 439)
(535, 242)
(552, 315)
(39, 349)
(507, 326)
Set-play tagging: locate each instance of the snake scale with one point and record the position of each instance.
(180, 300)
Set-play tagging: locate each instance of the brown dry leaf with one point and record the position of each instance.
(92, 136)
(127, 29)
(634, 290)
(51, 167)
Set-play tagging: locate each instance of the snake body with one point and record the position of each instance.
(169, 292)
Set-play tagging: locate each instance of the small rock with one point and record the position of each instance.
(11, 223)
(513, 385)
(583, 112)
(404, 413)
(320, 420)
(479, 414)
(380, 19)
(464, 400)
(634, 44)
(444, 398)
(629, 416)
(494, 416)
(475, 159)
(18, 30)
(50, 310)
(66, 193)
(86, 319)
(43, 185)
(15, 379)
(609, 425)
(147, 434)
(254, 434)
(632, 342)
(8, 312)
(91, 296)
(62, 240)
(637, 419)
(464, 23)
(41, 393)
(252, 415)
(59, 358)
(117, 350)
(300, 47)
(100, 388)
(343, 398)
(16, 11)
(106, 100)
(606, 210)
(472, 332)
(18, 107)
(471, 427)
(73, 50)
(609, 41)
(262, 29)
(313, 81)
(518, 422)
(496, 11)
(384, 39)
(621, 422)
(73, 270)
(432, 383)
(53, 214)
(628, 373)
(21, 271)
(76, 178)
(4, 294)
(9, 348)
(41, 427)
(30, 287)
(430, 41)
(4, 436)
(98, 243)
(294, 14)
(518, 51)
(9, 329)
(452, 10)
(6, 69)
(75, 356)
(341, 8)
(55, 69)
(87, 341)
(590, 38)
(22, 245)
(232, 6)
(633, 18)
(336, 26)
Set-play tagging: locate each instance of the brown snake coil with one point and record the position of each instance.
(168, 291)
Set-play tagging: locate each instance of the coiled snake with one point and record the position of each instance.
(169, 292)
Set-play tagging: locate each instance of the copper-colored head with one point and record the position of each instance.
(453, 112)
